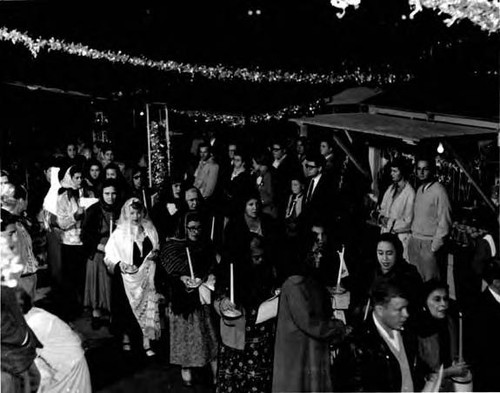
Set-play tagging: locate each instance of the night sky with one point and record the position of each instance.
(450, 63)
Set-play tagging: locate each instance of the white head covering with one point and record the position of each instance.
(120, 246)
(67, 181)
(50, 200)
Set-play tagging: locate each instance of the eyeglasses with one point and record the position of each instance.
(309, 166)
(194, 229)
(276, 149)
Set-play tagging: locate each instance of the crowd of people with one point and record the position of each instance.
(236, 259)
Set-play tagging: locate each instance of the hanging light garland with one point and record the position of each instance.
(219, 72)
(232, 120)
(483, 13)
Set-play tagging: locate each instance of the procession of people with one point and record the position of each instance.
(238, 260)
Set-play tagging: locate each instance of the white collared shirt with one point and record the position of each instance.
(315, 184)
(383, 332)
(495, 295)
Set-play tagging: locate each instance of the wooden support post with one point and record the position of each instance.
(461, 165)
(349, 154)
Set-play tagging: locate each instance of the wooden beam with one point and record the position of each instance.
(461, 164)
(351, 156)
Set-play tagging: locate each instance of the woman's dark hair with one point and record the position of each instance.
(90, 163)
(394, 240)
(243, 155)
(403, 165)
(253, 194)
(137, 205)
(75, 169)
(263, 158)
(110, 183)
(6, 219)
(112, 165)
(429, 287)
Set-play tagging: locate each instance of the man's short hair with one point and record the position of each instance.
(431, 161)
(317, 158)
(491, 271)
(384, 289)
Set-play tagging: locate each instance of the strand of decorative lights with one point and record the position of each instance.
(233, 120)
(219, 72)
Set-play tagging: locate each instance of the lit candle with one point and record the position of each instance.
(144, 197)
(339, 276)
(213, 228)
(460, 338)
(231, 283)
(190, 264)
(110, 226)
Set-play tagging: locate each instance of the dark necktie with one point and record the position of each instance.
(396, 189)
(310, 191)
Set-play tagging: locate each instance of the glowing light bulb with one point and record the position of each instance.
(141, 113)
(258, 12)
(250, 12)
(440, 148)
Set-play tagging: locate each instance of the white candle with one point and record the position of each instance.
(460, 338)
(144, 197)
(213, 228)
(231, 283)
(110, 226)
(190, 264)
(339, 276)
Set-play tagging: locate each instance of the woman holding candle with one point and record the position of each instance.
(98, 224)
(189, 265)
(249, 222)
(246, 353)
(130, 254)
(439, 337)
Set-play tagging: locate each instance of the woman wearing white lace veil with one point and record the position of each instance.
(130, 254)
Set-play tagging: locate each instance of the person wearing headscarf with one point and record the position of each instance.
(130, 255)
(14, 200)
(70, 216)
(98, 224)
(189, 265)
(166, 212)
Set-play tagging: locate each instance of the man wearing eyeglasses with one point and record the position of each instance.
(431, 223)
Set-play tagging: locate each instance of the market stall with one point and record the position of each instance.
(467, 160)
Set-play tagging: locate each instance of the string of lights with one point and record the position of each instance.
(218, 72)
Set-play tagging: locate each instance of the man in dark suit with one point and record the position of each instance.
(486, 332)
(318, 191)
(285, 166)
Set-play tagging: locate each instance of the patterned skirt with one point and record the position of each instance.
(250, 370)
(193, 340)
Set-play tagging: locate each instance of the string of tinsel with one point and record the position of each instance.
(235, 120)
(158, 157)
(218, 72)
(483, 13)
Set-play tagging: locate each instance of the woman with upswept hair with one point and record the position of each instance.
(130, 255)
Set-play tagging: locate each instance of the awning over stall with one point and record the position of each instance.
(410, 130)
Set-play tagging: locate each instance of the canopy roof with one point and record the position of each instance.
(407, 129)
